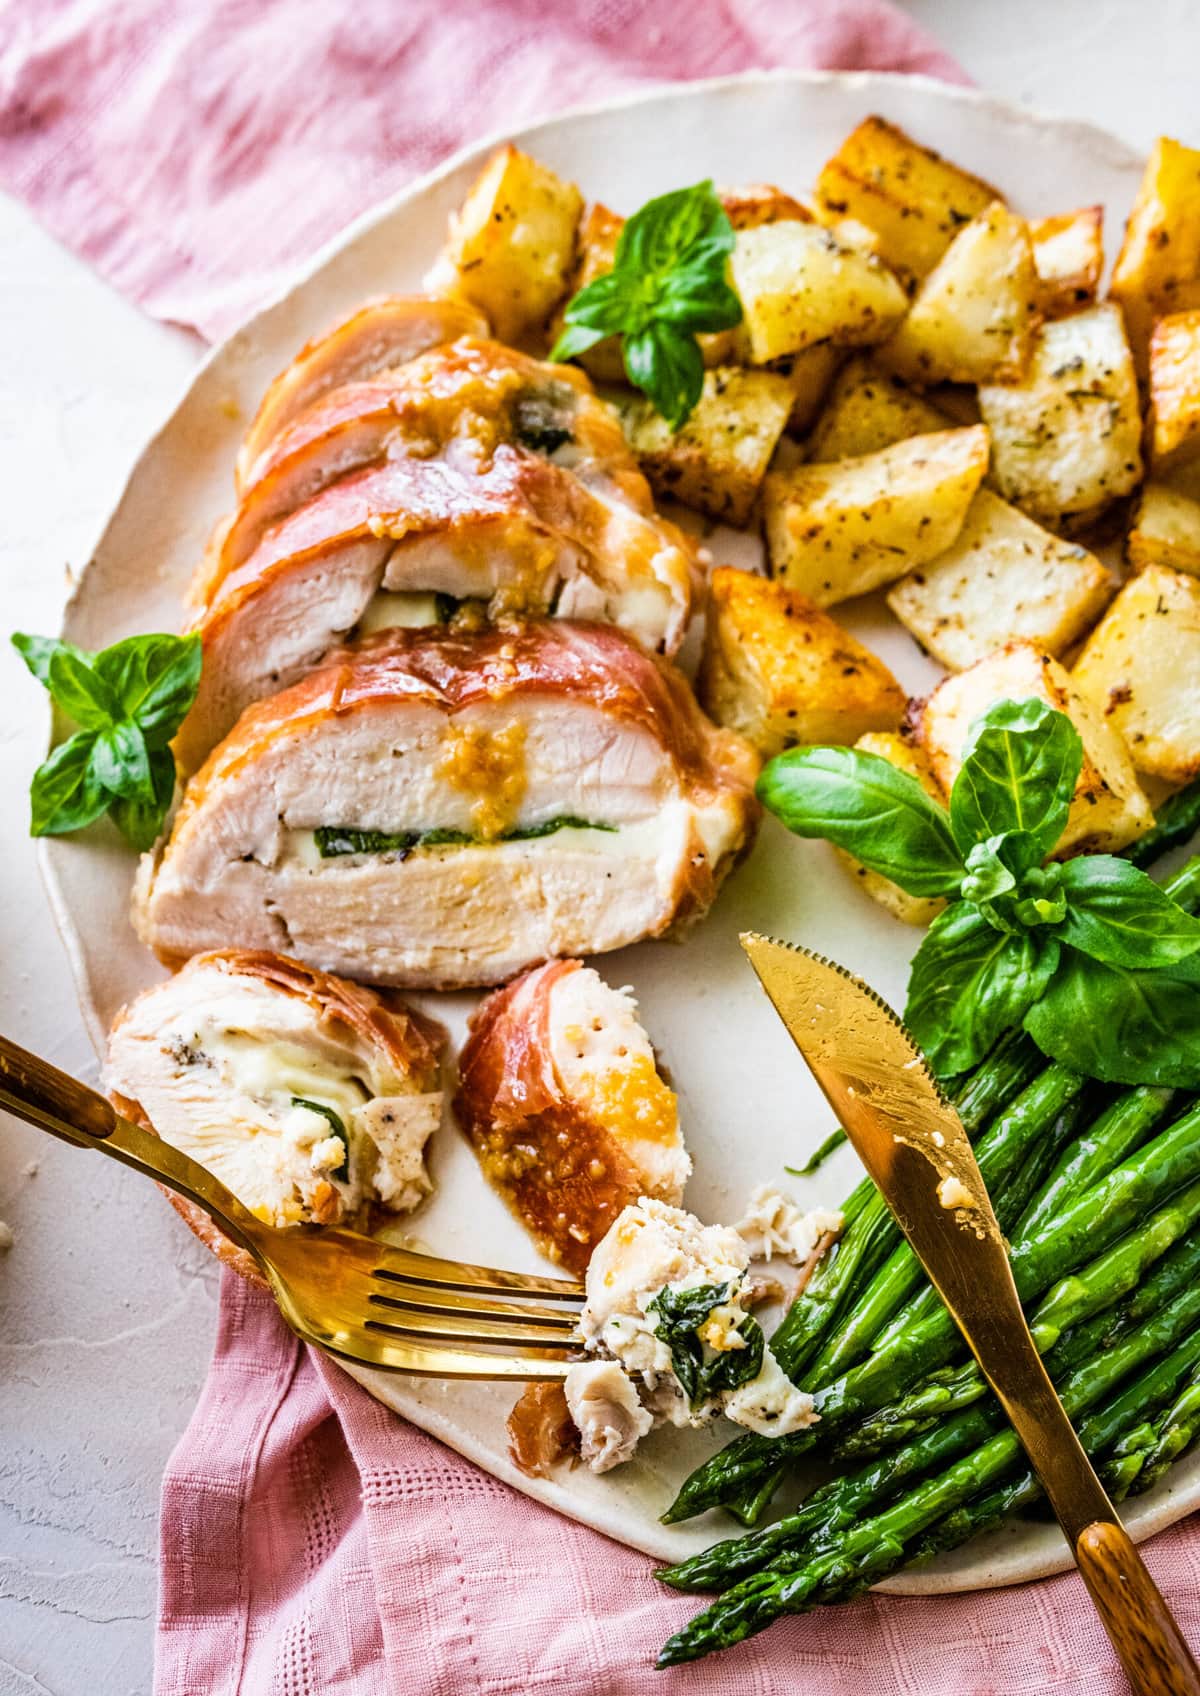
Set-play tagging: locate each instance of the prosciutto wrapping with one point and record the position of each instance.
(309, 1097)
(445, 811)
(562, 1100)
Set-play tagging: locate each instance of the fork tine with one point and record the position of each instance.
(419, 1298)
(421, 1360)
(406, 1264)
(510, 1333)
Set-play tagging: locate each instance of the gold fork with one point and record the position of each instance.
(352, 1296)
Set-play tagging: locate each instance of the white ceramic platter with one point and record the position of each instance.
(748, 1104)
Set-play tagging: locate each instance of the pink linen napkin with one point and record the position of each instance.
(314, 1545)
(197, 150)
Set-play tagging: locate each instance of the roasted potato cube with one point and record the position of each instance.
(717, 461)
(841, 529)
(868, 409)
(1165, 530)
(799, 285)
(1005, 577)
(1158, 268)
(913, 198)
(511, 247)
(1141, 668)
(808, 375)
(1109, 810)
(762, 203)
(911, 909)
(1174, 424)
(973, 317)
(782, 672)
(1066, 438)
(1068, 255)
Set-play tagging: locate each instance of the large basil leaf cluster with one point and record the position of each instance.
(128, 701)
(668, 284)
(1100, 965)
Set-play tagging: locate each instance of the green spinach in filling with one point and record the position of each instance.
(336, 840)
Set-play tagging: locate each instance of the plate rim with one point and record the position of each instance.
(1112, 150)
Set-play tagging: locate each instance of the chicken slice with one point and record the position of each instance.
(560, 1096)
(378, 334)
(602, 1400)
(521, 536)
(445, 811)
(309, 1097)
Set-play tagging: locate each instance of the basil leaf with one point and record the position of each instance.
(575, 339)
(154, 679)
(680, 1314)
(340, 1174)
(687, 222)
(667, 365)
(1021, 763)
(970, 983)
(37, 652)
(1117, 914)
(79, 690)
(668, 283)
(730, 1367)
(140, 818)
(1122, 1025)
(121, 761)
(64, 794)
(863, 804)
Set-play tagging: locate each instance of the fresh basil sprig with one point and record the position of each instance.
(680, 1316)
(1100, 965)
(128, 701)
(668, 284)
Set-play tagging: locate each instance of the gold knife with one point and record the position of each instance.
(913, 1144)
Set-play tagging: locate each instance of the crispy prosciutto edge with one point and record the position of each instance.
(412, 1042)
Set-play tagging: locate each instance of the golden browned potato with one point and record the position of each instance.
(762, 203)
(910, 909)
(1003, 577)
(511, 247)
(1165, 530)
(1158, 268)
(717, 460)
(799, 285)
(1174, 422)
(1141, 668)
(1066, 438)
(974, 315)
(1109, 809)
(868, 409)
(843, 528)
(781, 672)
(1068, 253)
(808, 375)
(915, 200)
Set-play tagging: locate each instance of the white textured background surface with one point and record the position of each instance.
(106, 1304)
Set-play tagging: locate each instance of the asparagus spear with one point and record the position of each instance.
(1175, 820)
(1175, 1432)
(1092, 1222)
(1074, 1298)
(797, 1581)
(1080, 1298)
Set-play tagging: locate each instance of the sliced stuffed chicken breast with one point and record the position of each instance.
(470, 396)
(379, 334)
(311, 1098)
(444, 812)
(562, 1099)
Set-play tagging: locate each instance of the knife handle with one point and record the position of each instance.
(1139, 1623)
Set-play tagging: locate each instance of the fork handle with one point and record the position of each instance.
(1139, 1623)
(34, 1090)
